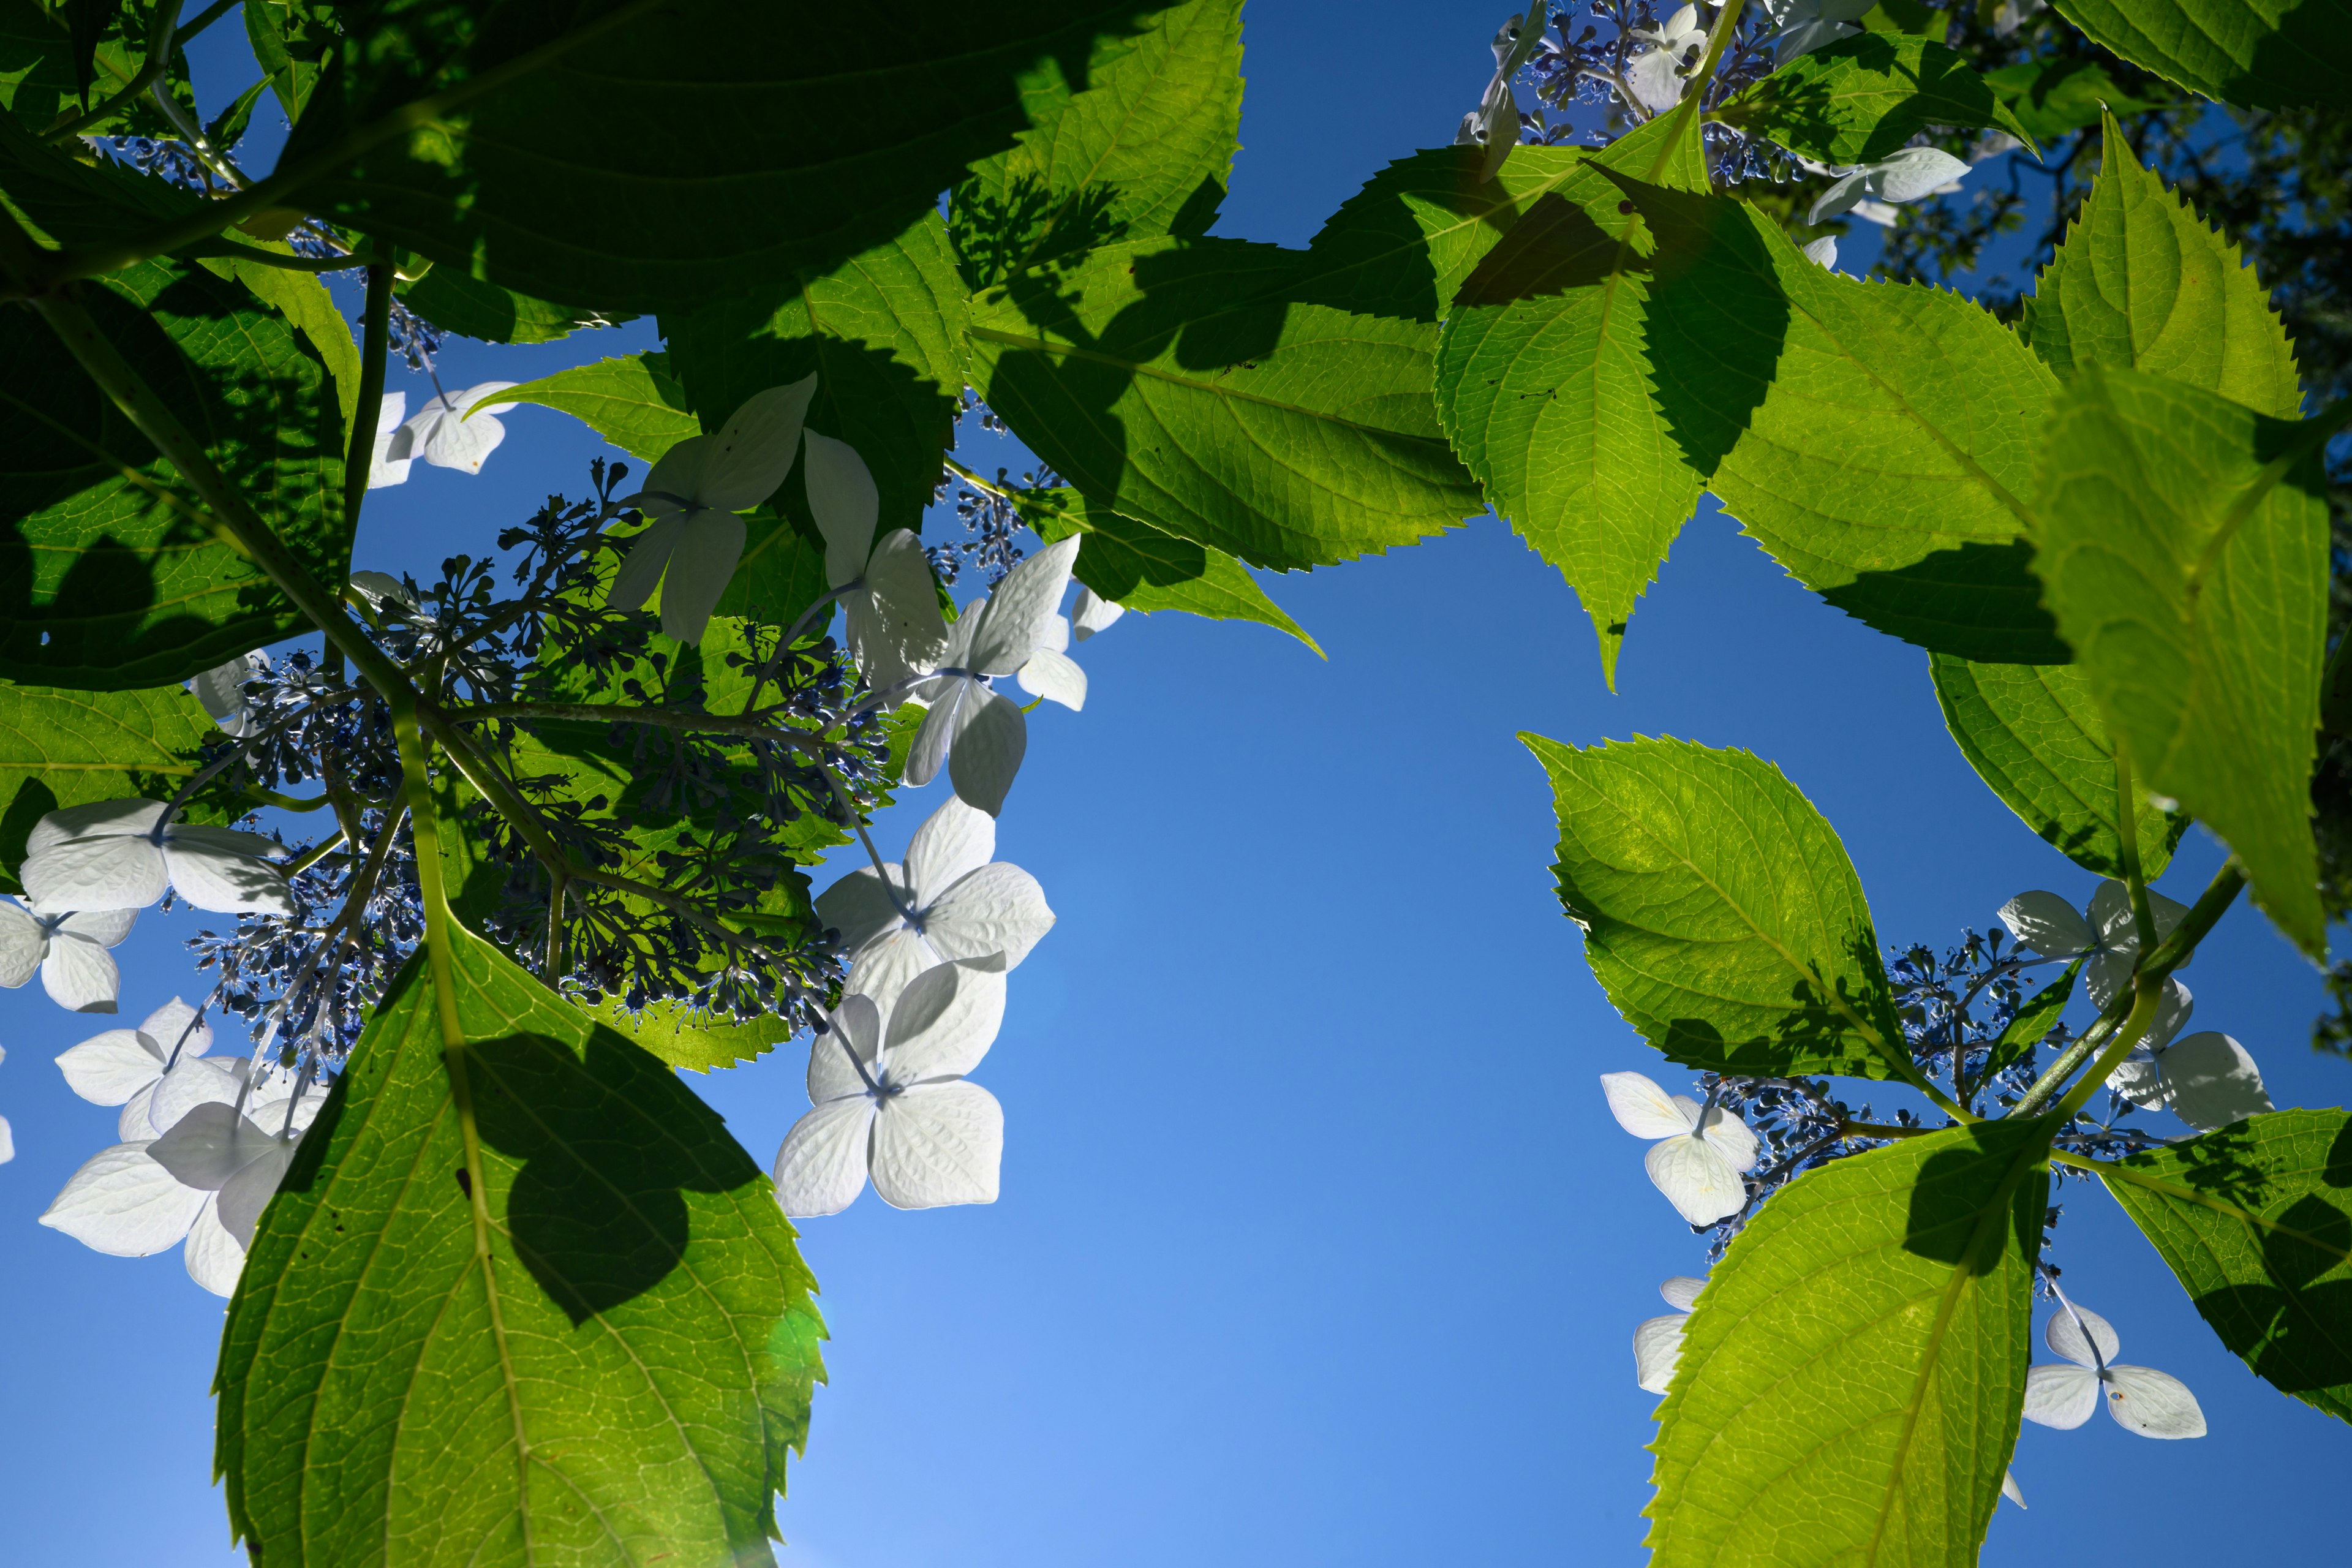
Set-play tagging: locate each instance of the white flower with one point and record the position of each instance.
(987, 732)
(1992, 144)
(2047, 924)
(1090, 613)
(2141, 1399)
(220, 692)
(1700, 1150)
(2009, 1488)
(396, 445)
(1805, 26)
(693, 537)
(901, 1111)
(381, 588)
(887, 587)
(2011, 14)
(1658, 1342)
(2207, 1080)
(7, 1138)
(953, 901)
(1822, 252)
(1906, 177)
(122, 854)
(450, 432)
(1655, 76)
(1494, 124)
(68, 949)
(123, 1066)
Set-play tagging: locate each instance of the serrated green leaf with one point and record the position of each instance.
(1850, 1381)
(1719, 910)
(70, 748)
(1134, 565)
(2032, 1022)
(2033, 734)
(632, 401)
(2184, 551)
(2142, 283)
(2053, 97)
(291, 41)
(1877, 438)
(305, 303)
(112, 578)
(1142, 148)
(2256, 1222)
(1544, 386)
(53, 57)
(2260, 54)
(599, 1353)
(1857, 100)
(477, 308)
(759, 141)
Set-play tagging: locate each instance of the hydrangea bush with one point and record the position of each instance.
(486, 859)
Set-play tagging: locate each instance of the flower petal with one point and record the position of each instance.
(2173, 1005)
(821, 1168)
(107, 928)
(2211, 1082)
(841, 494)
(2046, 924)
(1730, 1137)
(80, 976)
(2060, 1396)
(451, 440)
(1000, 908)
(945, 1020)
(1657, 1345)
(952, 842)
(109, 872)
(754, 449)
(939, 1143)
(23, 944)
(896, 630)
(124, 1203)
(7, 1141)
(2065, 1336)
(1914, 172)
(109, 1068)
(886, 965)
(2153, 1404)
(245, 1194)
(699, 570)
(192, 1081)
(227, 882)
(988, 752)
(1056, 676)
(648, 557)
(1014, 624)
(950, 710)
(858, 906)
(1091, 613)
(176, 1027)
(1841, 194)
(2111, 913)
(99, 819)
(2009, 1489)
(208, 1145)
(1641, 1108)
(1681, 1292)
(1696, 1179)
(213, 1256)
(221, 841)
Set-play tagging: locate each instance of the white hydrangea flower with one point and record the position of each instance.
(986, 732)
(1658, 1342)
(1805, 26)
(395, 445)
(8, 1137)
(2141, 1399)
(69, 951)
(2046, 924)
(124, 1067)
(1904, 176)
(954, 901)
(1699, 1153)
(693, 538)
(902, 1111)
(887, 587)
(453, 430)
(122, 854)
(2011, 14)
(1091, 613)
(2010, 1489)
(1494, 124)
(220, 692)
(1822, 252)
(2208, 1080)
(1655, 76)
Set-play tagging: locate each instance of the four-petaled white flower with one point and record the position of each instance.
(953, 900)
(2141, 1399)
(125, 1067)
(1904, 176)
(122, 854)
(1091, 613)
(1655, 76)
(220, 692)
(1700, 1150)
(886, 588)
(2047, 924)
(978, 734)
(1658, 1342)
(1805, 26)
(2208, 1080)
(453, 430)
(693, 538)
(69, 949)
(901, 1110)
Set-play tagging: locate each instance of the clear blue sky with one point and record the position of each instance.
(1317, 1244)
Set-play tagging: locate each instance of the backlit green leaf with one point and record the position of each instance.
(1719, 910)
(631, 402)
(1850, 1381)
(2033, 734)
(1859, 98)
(291, 40)
(2185, 554)
(2262, 54)
(1134, 565)
(2256, 1221)
(477, 308)
(68, 748)
(2053, 96)
(2032, 1023)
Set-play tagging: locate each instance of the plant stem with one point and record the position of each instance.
(1725, 25)
(665, 717)
(162, 44)
(2128, 838)
(375, 346)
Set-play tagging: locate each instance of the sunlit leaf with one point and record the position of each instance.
(632, 401)
(1857, 100)
(2262, 54)
(1134, 565)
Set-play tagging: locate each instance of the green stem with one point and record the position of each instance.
(1725, 25)
(229, 249)
(162, 44)
(2128, 838)
(375, 347)
(664, 717)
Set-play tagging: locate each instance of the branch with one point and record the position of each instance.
(661, 717)
(160, 47)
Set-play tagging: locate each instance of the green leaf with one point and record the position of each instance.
(2184, 546)
(691, 1041)
(2032, 1023)
(2033, 734)
(757, 140)
(1134, 565)
(291, 41)
(521, 1301)
(1143, 150)
(50, 54)
(70, 748)
(1719, 910)
(1877, 438)
(305, 303)
(1860, 99)
(1850, 1381)
(631, 402)
(1197, 386)
(112, 578)
(882, 333)
(2053, 97)
(1544, 385)
(2141, 283)
(2256, 1221)
(2258, 54)
(477, 308)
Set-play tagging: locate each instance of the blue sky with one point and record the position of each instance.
(1317, 1244)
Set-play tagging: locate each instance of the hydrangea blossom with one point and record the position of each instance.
(8, 1137)
(984, 733)
(1904, 176)
(886, 587)
(897, 1107)
(384, 467)
(453, 430)
(693, 537)
(220, 692)
(2045, 924)
(1655, 76)
(1822, 252)
(123, 854)
(2207, 1080)
(124, 1067)
(1658, 1342)
(69, 951)
(1090, 613)
(950, 899)
(1700, 1150)
(2141, 1399)
(1494, 124)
